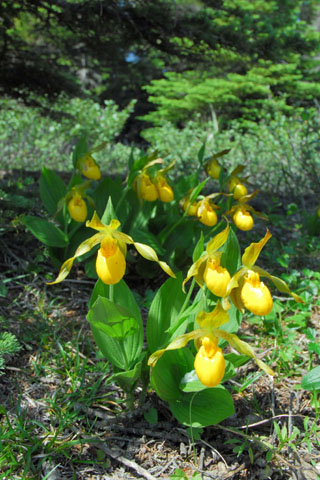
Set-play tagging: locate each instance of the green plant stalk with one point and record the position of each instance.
(123, 196)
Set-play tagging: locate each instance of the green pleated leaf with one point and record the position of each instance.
(122, 295)
(163, 313)
(46, 232)
(231, 255)
(118, 332)
(168, 372)
(201, 409)
(52, 189)
(128, 379)
(311, 381)
(79, 150)
(198, 249)
(107, 188)
(109, 213)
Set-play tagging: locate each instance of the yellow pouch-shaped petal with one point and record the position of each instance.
(214, 169)
(89, 167)
(255, 295)
(239, 191)
(110, 262)
(77, 208)
(207, 214)
(209, 363)
(216, 277)
(164, 189)
(147, 189)
(243, 219)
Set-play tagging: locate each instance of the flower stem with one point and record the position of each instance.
(111, 293)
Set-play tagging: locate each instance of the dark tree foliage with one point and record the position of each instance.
(112, 48)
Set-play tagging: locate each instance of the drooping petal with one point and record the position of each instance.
(242, 347)
(193, 271)
(234, 282)
(217, 241)
(213, 319)
(279, 283)
(177, 343)
(64, 271)
(83, 248)
(252, 252)
(148, 253)
(123, 237)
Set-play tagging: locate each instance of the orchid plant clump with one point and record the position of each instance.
(190, 336)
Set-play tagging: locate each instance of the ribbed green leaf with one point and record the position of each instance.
(311, 381)
(52, 189)
(117, 330)
(201, 409)
(168, 372)
(46, 232)
(231, 257)
(163, 313)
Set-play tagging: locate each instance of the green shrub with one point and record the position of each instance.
(281, 154)
(31, 139)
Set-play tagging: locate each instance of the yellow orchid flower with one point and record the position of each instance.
(209, 362)
(242, 218)
(165, 191)
(190, 207)
(74, 200)
(89, 167)
(206, 212)
(236, 184)
(245, 287)
(213, 168)
(207, 268)
(241, 212)
(110, 262)
(145, 188)
(77, 208)
(151, 188)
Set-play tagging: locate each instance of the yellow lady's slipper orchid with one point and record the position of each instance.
(165, 191)
(245, 288)
(110, 263)
(242, 218)
(216, 277)
(146, 189)
(207, 268)
(239, 191)
(74, 200)
(206, 213)
(209, 362)
(213, 169)
(190, 207)
(254, 294)
(89, 167)
(77, 208)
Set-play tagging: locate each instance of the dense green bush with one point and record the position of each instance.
(31, 139)
(281, 153)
